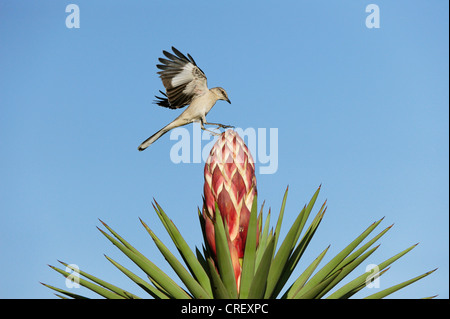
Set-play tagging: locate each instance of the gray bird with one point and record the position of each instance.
(185, 84)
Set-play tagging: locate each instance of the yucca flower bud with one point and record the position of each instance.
(230, 182)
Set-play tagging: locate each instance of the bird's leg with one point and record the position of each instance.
(205, 129)
(220, 125)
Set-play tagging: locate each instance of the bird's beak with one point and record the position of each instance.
(228, 100)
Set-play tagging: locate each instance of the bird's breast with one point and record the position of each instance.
(201, 105)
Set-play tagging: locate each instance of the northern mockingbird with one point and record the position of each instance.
(185, 84)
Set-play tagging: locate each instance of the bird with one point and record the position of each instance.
(185, 84)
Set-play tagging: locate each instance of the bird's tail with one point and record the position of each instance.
(156, 136)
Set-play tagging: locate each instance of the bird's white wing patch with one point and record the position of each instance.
(184, 76)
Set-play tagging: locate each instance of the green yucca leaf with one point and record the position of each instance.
(68, 293)
(218, 288)
(390, 290)
(314, 291)
(191, 284)
(298, 252)
(281, 257)
(307, 211)
(103, 283)
(147, 266)
(330, 267)
(358, 283)
(159, 287)
(358, 252)
(121, 241)
(155, 293)
(248, 265)
(260, 216)
(223, 256)
(280, 219)
(365, 279)
(262, 241)
(343, 272)
(431, 297)
(301, 280)
(91, 286)
(201, 259)
(352, 261)
(277, 268)
(259, 282)
(195, 267)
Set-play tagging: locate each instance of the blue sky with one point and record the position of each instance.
(364, 112)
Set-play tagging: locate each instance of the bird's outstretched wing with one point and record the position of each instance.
(163, 101)
(182, 78)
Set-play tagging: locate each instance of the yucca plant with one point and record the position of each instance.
(242, 256)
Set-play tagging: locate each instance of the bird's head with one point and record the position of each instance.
(221, 94)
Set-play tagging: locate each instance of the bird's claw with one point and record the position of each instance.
(218, 126)
(227, 126)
